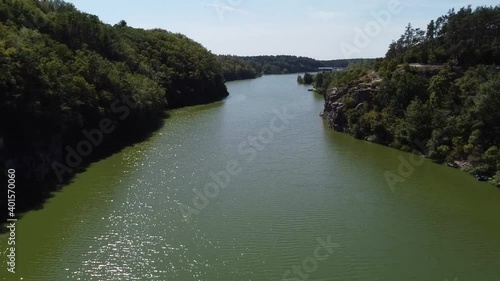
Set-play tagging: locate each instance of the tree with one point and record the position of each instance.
(122, 23)
(308, 78)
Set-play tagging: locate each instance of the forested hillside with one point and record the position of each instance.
(284, 64)
(63, 71)
(436, 93)
(234, 68)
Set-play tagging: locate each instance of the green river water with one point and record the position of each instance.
(303, 203)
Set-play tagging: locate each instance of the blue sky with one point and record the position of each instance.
(321, 29)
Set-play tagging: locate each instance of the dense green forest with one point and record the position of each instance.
(67, 81)
(237, 67)
(63, 71)
(234, 68)
(286, 64)
(436, 93)
(307, 79)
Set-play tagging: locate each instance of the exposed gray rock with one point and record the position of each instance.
(336, 98)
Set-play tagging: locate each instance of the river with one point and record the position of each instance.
(279, 195)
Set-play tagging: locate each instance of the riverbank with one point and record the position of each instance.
(41, 174)
(353, 108)
(74, 90)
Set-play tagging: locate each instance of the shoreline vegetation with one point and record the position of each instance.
(240, 68)
(64, 76)
(64, 73)
(74, 90)
(436, 93)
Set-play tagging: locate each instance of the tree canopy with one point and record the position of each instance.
(437, 88)
(63, 71)
(237, 66)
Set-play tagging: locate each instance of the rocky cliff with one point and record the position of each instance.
(348, 97)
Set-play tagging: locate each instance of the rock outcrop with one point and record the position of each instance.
(348, 97)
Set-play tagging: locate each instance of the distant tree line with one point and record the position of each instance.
(254, 66)
(307, 79)
(234, 68)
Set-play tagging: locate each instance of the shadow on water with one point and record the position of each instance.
(36, 198)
